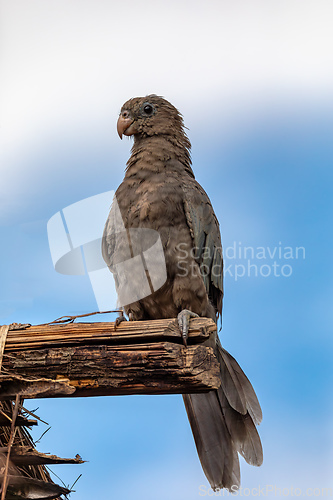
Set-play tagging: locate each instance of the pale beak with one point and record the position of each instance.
(123, 123)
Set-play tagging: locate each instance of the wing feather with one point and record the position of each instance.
(205, 232)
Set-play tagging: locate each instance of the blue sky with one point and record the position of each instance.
(254, 83)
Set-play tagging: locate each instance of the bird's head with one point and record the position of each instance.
(149, 116)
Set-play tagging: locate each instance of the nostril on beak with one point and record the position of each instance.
(125, 114)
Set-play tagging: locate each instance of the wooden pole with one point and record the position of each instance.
(94, 359)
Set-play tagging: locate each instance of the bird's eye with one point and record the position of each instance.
(148, 109)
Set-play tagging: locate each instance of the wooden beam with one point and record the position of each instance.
(94, 359)
(34, 337)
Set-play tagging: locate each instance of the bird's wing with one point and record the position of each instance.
(205, 232)
(109, 236)
(115, 247)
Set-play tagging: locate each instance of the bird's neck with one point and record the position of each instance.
(151, 153)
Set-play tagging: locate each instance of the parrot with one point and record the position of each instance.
(159, 193)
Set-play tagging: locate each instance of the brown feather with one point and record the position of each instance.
(159, 192)
(215, 448)
(237, 387)
(243, 432)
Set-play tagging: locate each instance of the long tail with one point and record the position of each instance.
(224, 423)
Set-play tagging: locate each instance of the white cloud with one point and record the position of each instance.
(68, 65)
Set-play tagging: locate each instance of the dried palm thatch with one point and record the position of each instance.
(22, 480)
(23, 474)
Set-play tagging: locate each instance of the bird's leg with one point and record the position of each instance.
(122, 318)
(119, 320)
(184, 323)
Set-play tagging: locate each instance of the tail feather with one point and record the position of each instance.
(235, 380)
(217, 455)
(223, 423)
(230, 384)
(243, 432)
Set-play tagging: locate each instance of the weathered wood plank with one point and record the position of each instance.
(157, 368)
(104, 333)
(11, 384)
(94, 359)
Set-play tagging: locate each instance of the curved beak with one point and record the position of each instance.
(123, 124)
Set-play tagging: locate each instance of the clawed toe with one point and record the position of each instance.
(119, 320)
(184, 323)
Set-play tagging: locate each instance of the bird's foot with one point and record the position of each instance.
(184, 323)
(119, 320)
(122, 318)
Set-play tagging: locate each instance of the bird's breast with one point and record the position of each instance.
(153, 203)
